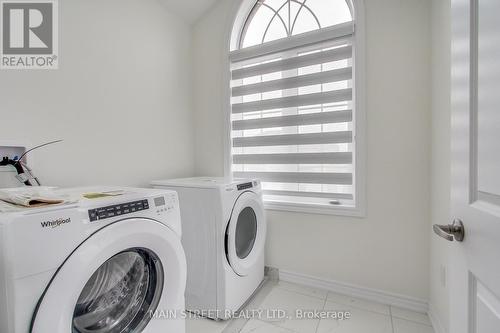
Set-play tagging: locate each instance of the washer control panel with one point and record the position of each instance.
(117, 210)
(164, 206)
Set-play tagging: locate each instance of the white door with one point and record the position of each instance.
(475, 262)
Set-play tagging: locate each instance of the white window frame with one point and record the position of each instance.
(239, 14)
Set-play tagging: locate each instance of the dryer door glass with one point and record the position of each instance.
(120, 294)
(246, 232)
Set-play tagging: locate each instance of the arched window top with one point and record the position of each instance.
(295, 104)
(275, 19)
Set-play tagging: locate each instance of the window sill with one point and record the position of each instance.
(315, 209)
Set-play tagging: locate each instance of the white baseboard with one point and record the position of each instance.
(380, 296)
(435, 320)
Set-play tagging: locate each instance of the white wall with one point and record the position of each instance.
(440, 181)
(387, 250)
(208, 55)
(120, 99)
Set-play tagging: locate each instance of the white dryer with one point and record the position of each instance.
(224, 233)
(104, 264)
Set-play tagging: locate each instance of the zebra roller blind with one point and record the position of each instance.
(292, 117)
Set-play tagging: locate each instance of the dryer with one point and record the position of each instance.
(224, 233)
(107, 263)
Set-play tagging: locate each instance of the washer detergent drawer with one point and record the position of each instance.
(41, 242)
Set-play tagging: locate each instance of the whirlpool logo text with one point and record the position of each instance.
(55, 223)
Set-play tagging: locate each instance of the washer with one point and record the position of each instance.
(110, 264)
(224, 232)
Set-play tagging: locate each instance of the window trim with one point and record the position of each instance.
(237, 18)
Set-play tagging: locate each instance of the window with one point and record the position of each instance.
(293, 111)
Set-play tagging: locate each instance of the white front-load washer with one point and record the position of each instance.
(111, 262)
(224, 233)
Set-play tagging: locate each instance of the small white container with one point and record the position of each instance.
(8, 177)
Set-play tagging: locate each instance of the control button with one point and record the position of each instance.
(93, 215)
(117, 210)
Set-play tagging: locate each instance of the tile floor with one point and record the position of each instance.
(366, 316)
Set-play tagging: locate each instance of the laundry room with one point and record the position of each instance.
(228, 166)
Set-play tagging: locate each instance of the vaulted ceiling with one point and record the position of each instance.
(190, 10)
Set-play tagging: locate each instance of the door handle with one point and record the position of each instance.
(450, 232)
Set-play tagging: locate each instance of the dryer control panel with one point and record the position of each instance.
(117, 210)
(246, 186)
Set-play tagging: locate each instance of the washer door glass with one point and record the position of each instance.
(246, 232)
(120, 294)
